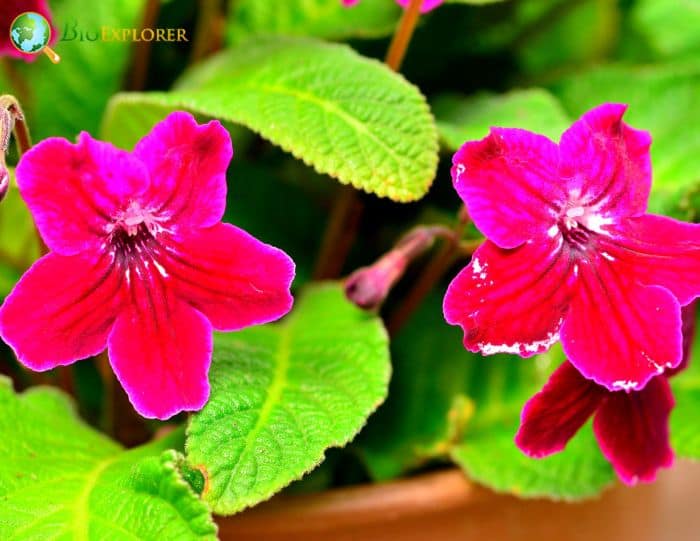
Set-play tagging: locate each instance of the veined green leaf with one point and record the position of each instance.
(347, 116)
(284, 393)
(319, 18)
(59, 479)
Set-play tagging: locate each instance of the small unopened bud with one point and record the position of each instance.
(369, 286)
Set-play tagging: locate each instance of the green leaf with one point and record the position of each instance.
(685, 436)
(19, 246)
(670, 27)
(61, 479)
(348, 116)
(490, 457)
(282, 394)
(665, 100)
(70, 96)
(319, 18)
(461, 119)
(448, 404)
(561, 33)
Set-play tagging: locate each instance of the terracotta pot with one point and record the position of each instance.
(446, 506)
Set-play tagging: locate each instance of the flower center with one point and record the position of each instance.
(575, 226)
(132, 235)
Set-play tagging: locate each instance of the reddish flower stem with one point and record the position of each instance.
(108, 384)
(402, 36)
(142, 49)
(346, 214)
(340, 234)
(209, 30)
(431, 275)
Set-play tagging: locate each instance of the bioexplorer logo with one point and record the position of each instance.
(30, 33)
(74, 32)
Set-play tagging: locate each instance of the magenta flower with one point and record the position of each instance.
(571, 253)
(9, 10)
(428, 5)
(140, 262)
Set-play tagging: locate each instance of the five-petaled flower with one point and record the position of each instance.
(631, 427)
(570, 252)
(140, 262)
(9, 10)
(427, 5)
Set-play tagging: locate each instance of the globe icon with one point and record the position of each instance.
(30, 32)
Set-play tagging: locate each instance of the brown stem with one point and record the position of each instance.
(142, 49)
(65, 379)
(209, 30)
(431, 275)
(339, 235)
(402, 36)
(108, 384)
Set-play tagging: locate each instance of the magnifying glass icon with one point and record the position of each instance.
(30, 33)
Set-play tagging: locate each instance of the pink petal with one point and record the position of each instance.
(231, 277)
(554, 415)
(632, 431)
(619, 332)
(657, 250)
(61, 310)
(74, 190)
(511, 301)
(427, 4)
(187, 163)
(509, 182)
(350, 2)
(607, 162)
(160, 349)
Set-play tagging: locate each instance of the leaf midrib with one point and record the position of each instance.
(279, 381)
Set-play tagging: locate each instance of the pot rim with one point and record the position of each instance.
(368, 503)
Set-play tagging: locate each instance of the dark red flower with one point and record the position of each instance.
(631, 427)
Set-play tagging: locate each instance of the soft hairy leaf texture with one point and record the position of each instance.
(320, 18)
(282, 394)
(59, 479)
(665, 100)
(347, 116)
(447, 402)
(462, 119)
